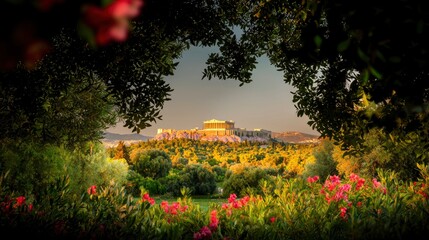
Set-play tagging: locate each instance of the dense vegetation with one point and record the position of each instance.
(69, 69)
(105, 193)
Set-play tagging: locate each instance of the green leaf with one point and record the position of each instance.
(362, 55)
(344, 45)
(318, 41)
(375, 73)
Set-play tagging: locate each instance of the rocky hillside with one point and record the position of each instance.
(295, 137)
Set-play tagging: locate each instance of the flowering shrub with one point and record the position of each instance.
(337, 208)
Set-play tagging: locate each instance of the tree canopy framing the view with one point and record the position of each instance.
(354, 66)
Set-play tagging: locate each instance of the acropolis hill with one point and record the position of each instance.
(216, 130)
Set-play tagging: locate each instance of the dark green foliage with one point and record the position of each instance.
(398, 153)
(354, 66)
(136, 182)
(325, 164)
(33, 167)
(199, 179)
(42, 106)
(173, 184)
(219, 173)
(151, 163)
(249, 179)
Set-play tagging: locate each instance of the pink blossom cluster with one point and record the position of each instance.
(214, 221)
(174, 208)
(312, 179)
(206, 231)
(343, 213)
(334, 190)
(147, 198)
(111, 23)
(377, 185)
(358, 180)
(234, 203)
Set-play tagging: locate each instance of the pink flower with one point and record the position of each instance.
(112, 22)
(272, 219)
(378, 185)
(343, 212)
(125, 8)
(164, 205)
(360, 183)
(92, 190)
(236, 204)
(197, 236)
(312, 179)
(335, 179)
(147, 198)
(174, 208)
(232, 198)
(375, 183)
(204, 233)
(354, 177)
(244, 200)
(214, 221)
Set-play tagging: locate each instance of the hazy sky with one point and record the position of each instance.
(264, 103)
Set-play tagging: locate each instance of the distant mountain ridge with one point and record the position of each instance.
(295, 137)
(117, 136)
(112, 139)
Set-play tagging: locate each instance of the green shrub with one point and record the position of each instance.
(33, 166)
(219, 173)
(199, 179)
(136, 182)
(324, 164)
(151, 163)
(173, 183)
(246, 180)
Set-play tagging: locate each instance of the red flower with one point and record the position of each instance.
(343, 213)
(147, 198)
(272, 219)
(30, 207)
(232, 198)
(312, 179)
(174, 208)
(20, 201)
(214, 221)
(92, 190)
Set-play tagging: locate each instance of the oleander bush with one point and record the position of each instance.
(312, 208)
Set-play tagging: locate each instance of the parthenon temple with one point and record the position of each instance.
(216, 127)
